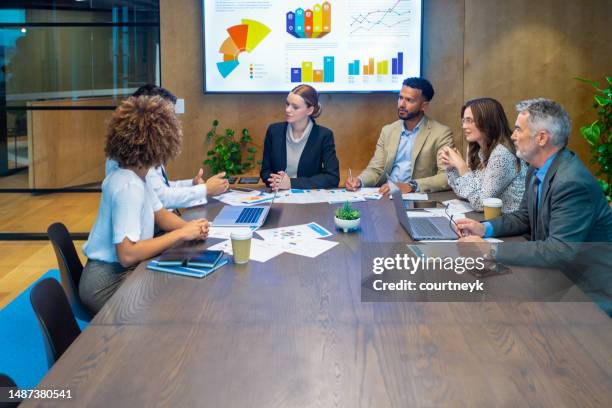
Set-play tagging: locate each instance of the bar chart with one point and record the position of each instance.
(373, 67)
(307, 73)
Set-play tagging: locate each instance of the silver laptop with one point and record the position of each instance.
(420, 228)
(243, 216)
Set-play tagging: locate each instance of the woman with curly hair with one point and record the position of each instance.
(143, 133)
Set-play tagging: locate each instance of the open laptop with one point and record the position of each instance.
(243, 216)
(420, 228)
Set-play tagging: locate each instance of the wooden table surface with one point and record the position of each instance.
(294, 332)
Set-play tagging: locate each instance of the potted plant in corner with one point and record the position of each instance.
(347, 218)
(227, 154)
(599, 135)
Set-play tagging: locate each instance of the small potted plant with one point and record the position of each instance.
(347, 218)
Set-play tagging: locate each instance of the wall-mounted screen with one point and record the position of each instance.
(334, 45)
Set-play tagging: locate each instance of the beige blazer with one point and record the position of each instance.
(426, 171)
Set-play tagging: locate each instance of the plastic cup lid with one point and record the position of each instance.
(241, 233)
(492, 202)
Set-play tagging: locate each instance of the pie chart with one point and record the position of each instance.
(242, 37)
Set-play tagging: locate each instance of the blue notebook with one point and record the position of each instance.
(185, 270)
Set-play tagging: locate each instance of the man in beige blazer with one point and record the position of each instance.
(407, 149)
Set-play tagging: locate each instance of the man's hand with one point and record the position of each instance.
(352, 184)
(404, 188)
(466, 227)
(217, 184)
(198, 178)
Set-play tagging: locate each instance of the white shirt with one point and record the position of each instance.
(295, 148)
(175, 194)
(127, 208)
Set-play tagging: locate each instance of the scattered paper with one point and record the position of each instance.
(234, 198)
(433, 241)
(257, 199)
(294, 233)
(333, 196)
(225, 232)
(310, 247)
(459, 205)
(456, 214)
(261, 251)
(422, 214)
(415, 196)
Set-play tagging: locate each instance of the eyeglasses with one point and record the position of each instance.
(451, 221)
(469, 121)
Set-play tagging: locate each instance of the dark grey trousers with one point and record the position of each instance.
(100, 280)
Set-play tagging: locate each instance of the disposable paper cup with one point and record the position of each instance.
(492, 208)
(241, 245)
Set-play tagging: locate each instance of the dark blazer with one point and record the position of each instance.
(318, 166)
(573, 209)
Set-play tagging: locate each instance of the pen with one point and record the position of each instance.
(350, 175)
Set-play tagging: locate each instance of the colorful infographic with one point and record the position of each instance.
(306, 73)
(333, 45)
(242, 37)
(315, 23)
(382, 67)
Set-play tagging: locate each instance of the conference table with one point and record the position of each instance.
(294, 332)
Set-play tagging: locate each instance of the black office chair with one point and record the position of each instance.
(6, 381)
(70, 267)
(57, 322)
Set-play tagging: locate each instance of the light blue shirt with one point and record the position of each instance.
(402, 166)
(541, 175)
(127, 210)
(172, 194)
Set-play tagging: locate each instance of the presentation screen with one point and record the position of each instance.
(334, 45)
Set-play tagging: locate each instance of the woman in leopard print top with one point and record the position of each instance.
(492, 168)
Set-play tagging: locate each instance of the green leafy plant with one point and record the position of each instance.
(346, 212)
(227, 153)
(599, 134)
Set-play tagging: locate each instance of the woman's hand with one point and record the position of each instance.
(451, 159)
(196, 229)
(279, 181)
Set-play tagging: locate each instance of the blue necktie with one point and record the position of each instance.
(536, 195)
(164, 175)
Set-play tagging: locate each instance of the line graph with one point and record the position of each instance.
(391, 18)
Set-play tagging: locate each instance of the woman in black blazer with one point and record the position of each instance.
(299, 153)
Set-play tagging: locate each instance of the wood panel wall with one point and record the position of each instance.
(66, 147)
(356, 119)
(522, 49)
(509, 50)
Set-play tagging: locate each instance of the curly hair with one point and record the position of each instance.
(143, 132)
